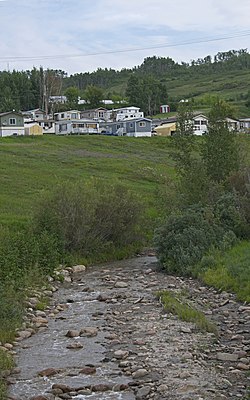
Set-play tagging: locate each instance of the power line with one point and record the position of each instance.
(160, 46)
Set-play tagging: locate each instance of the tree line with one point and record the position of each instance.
(144, 85)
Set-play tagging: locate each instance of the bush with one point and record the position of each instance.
(183, 240)
(20, 252)
(86, 219)
(228, 212)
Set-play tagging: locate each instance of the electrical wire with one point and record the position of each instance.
(160, 46)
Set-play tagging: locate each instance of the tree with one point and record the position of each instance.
(72, 94)
(183, 142)
(146, 92)
(220, 151)
(94, 95)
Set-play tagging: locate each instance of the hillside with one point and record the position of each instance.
(31, 167)
(158, 80)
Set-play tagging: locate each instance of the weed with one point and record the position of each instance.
(171, 303)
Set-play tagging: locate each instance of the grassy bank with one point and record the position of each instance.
(230, 271)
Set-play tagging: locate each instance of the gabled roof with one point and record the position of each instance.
(10, 112)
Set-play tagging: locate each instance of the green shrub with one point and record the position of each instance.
(229, 214)
(91, 218)
(183, 240)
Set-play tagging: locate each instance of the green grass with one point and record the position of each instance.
(31, 167)
(231, 271)
(176, 305)
(6, 363)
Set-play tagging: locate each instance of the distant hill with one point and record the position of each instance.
(227, 74)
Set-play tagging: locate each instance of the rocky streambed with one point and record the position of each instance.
(106, 336)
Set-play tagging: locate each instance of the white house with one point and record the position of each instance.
(200, 124)
(120, 114)
(67, 115)
(37, 114)
(11, 124)
(76, 127)
(244, 125)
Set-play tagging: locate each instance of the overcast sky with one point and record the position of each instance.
(83, 35)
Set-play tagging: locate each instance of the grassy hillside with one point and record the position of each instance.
(32, 166)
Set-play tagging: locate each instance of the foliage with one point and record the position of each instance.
(89, 218)
(146, 92)
(220, 152)
(22, 251)
(183, 239)
(11, 308)
(183, 142)
(230, 271)
(173, 303)
(72, 94)
(93, 95)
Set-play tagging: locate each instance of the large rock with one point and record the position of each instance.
(78, 268)
(49, 372)
(88, 331)
(227, 357)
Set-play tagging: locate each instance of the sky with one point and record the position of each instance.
(83, 35)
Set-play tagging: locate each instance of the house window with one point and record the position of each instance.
(12, 121)
(203, 122)
(64, 127)
(142, 124)
(198, 122)
(131, 125)
(197, 128)
(118, 126)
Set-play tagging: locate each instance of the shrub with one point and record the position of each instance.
(183, 240)
(86, 219)
(228, 213)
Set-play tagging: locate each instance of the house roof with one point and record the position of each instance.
(10, 112)
(94, 109)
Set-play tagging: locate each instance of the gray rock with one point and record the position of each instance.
(227, 357)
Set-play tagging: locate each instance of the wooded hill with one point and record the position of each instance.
(158, 80)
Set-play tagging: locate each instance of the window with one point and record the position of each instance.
(203, 122)
(64, 127)
(131, 125)
(197, 122)
(12, 121)
(118, 126)
(142, 124)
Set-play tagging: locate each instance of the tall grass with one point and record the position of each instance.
(230, 271)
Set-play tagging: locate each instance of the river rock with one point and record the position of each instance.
(72, 333)
(121, 285)
(88, 370)
(88, 331)
(227, 357)
(49, 372)
(139, 373)
(75, 345)
(64, 388)
(121, 354)
(78, 268)
(23, 335)
(102, 387)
